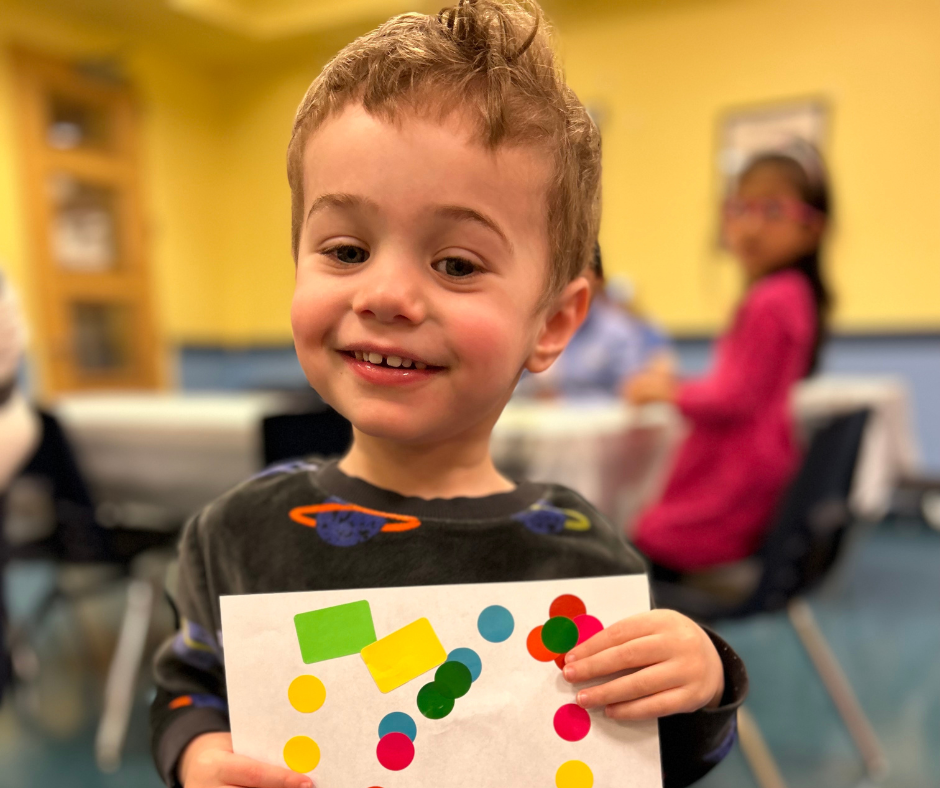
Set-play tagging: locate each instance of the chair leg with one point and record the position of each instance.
(756, 752)
(122, 675)
(839, 689)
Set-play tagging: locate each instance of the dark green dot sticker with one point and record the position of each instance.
(432, 704)
(453, 679)
(560, 634)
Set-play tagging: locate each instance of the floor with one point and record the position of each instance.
(880, 613)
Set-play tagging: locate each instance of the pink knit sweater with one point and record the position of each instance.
(741, 453)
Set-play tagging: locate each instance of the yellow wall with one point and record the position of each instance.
(211, 149)
(213, 144)
(665, 73)
(256, 227)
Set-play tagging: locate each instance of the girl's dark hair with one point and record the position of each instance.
(803, 166)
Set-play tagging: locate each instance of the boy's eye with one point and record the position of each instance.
(455, 266)
(346, 253)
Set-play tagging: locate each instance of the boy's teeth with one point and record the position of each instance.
(391, 361)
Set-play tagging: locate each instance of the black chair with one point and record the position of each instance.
(288, 436)
(800, 549)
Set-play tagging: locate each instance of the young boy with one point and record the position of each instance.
(445, 186)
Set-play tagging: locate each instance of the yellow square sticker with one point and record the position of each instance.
(404, 655)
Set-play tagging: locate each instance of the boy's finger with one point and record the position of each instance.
(649, 681)
(662, 704)
(637, 653)
(627, 629)
(249, 773)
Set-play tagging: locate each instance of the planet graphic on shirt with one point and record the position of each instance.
(344, 524)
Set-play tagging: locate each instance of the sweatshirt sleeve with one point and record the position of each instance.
(190, 679)
(749, 367)
(691, 745)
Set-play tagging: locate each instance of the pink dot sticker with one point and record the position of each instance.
(395, 751)
(588, 627)
(572, 722)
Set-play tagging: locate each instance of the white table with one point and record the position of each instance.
(615, 455)
(889, 446)
(171, 452)
(178, 451)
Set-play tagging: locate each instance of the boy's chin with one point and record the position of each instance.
(411, 429)
(408, 425)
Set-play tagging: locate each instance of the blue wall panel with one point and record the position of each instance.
(914, 358)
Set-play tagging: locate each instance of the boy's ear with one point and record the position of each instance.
(564, 317)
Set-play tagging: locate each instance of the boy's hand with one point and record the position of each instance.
(677, 667)
(208, 762)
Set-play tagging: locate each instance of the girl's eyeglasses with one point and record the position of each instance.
(774, 209)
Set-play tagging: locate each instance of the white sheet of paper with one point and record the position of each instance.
(500, 733)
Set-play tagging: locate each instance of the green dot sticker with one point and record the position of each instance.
(453, 679)
(432, 704)
(560, 634)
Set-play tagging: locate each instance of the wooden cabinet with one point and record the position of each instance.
(81, 180)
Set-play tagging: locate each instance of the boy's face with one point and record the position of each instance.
(422, 260)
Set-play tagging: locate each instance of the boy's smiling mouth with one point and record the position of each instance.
(393, 367)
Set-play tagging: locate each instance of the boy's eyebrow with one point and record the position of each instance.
(457, 212)
(340, 200)
(463, 214)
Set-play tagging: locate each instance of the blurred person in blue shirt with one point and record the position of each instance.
(612, 344)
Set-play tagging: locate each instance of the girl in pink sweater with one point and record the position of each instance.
(742, 451)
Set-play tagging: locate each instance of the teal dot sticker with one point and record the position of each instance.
(560, 634)
(468, 657)
(432, 704)
(453, 679)
(496, 624)
(398, 722)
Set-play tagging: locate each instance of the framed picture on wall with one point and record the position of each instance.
(744, 132)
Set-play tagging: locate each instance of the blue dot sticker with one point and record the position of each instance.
(495, 624)
(468, 657)
(398, 722)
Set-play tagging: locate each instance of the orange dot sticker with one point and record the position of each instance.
(537, 647)
(567, 605)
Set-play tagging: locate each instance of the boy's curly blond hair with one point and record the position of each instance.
(494, 60)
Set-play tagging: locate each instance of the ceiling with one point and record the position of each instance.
(224, 32)
(219, 31)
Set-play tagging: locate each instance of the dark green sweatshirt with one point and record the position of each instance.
(260, 538)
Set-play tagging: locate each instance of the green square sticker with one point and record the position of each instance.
(333, 632)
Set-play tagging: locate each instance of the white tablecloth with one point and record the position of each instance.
(178, 451)
(618, 457)
(174, 452)
(889, 447)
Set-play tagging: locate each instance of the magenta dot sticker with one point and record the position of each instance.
(588, 627)
(572, 722)
(395, 751)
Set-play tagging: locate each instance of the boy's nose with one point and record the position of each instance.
(391, 292)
